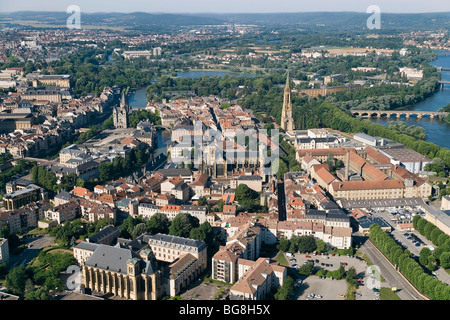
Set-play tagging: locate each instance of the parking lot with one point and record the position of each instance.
(203, 290)
(327, 288)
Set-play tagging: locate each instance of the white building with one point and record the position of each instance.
(4, 251)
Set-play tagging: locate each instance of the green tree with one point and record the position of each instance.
(182, 225)
(16, 280)
(139, 229)
(286, 291)
(204, 233)
(306, 269)
(445, 260)
(423, 256)
(202, 201)
(350, 277)
(321, 245)
(306, 244)
(283, 245)
(158, 223)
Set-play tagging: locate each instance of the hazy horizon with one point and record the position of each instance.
(229, 7)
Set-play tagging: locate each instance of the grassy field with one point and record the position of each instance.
(388, 294)
(282, 259)
(364, 257)
(351, 290)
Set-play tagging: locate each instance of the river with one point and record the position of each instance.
(437, 131)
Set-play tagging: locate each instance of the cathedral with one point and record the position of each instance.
(120, 113)
(287, 121)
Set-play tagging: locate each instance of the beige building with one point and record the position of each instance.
(19, 198)
(224, 265)
(366, 190)
(84, 251)
(257, 278)
(445, 204)
(63, 80)
(123, 273)
(254, 182)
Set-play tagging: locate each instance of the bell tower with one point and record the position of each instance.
(287, 121)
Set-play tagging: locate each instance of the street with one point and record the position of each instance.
(406, 292)
(36, 243)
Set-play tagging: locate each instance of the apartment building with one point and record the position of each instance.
(257, 278)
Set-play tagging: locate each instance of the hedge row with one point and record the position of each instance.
(410, 268)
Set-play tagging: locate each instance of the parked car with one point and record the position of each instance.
(308, 257)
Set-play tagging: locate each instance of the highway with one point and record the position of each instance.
(392, 276)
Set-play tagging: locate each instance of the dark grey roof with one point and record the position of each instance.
(366, 222)
(23, 181)
(181, 187)
(175, 172)
(315, 213)
(192, 208)
(200, 245)
(105, 232)
(249, 178)
(329, 205)
(87, 246)
(382, 203)
(64, 195)
(111, 258)
(337, 215)
(317, 140)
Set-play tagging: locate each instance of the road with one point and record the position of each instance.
(281, 202)
(43, 162)
(406, 291)
(37, 243)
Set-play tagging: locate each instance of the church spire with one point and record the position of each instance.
(287, 121)
(287, 81)
(122, 99)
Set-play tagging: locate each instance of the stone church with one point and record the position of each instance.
(120, 113)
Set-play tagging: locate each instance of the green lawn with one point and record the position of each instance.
(282, 259)
(351, 290)
(364, 257)
(388, 294)
(447, 270)
(38, 231)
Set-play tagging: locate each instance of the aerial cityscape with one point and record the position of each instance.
(227, 155)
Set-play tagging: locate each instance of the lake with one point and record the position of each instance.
(437, 131)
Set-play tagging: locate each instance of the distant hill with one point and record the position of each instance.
(340, 20)
(334, 20)
(111, 19)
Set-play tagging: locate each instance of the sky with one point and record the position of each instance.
(226, 6)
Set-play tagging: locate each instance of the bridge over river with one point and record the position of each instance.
(399, 113)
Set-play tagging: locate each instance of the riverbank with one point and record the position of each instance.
(437, 131)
